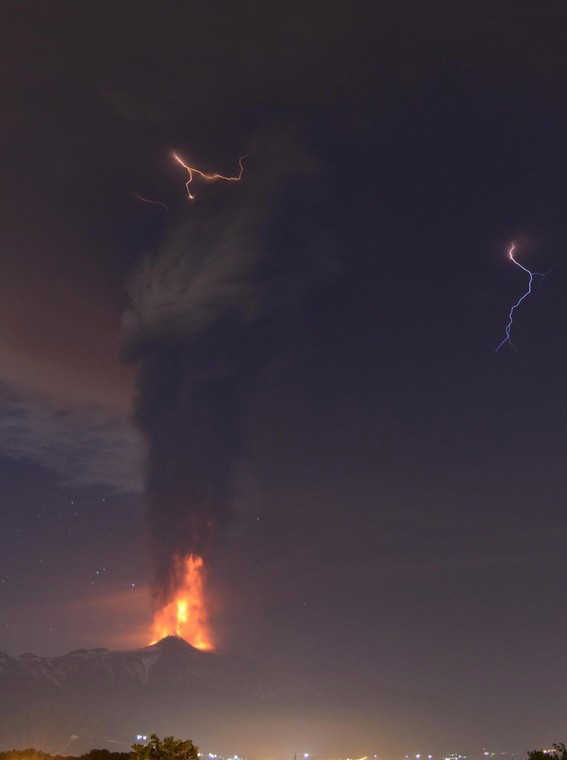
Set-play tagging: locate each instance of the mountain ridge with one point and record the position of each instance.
(101, 697)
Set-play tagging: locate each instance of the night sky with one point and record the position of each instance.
(387, 492)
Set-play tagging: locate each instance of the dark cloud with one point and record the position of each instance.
(84, 444)
(64, 395)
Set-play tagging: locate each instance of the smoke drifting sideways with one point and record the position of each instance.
(206, 310)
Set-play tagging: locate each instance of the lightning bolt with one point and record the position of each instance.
(191, 171)
(531, 275)
(153, 203)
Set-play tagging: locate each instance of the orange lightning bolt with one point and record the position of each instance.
(148, 200)
(192, 171)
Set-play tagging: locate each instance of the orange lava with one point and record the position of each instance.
(185, 615)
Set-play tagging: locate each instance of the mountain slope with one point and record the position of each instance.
(99, 698)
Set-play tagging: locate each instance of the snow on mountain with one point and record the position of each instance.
(106, 698)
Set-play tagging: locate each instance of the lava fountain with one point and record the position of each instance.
(185, 613)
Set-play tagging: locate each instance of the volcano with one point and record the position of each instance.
(100, 698)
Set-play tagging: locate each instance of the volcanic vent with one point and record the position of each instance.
(185, 615)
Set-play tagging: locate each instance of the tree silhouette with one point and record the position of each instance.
(559, 752)
(165, 749)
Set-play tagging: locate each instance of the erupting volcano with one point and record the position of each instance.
(206, 311)
(185, 614)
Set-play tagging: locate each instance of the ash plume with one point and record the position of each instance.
(205, 311)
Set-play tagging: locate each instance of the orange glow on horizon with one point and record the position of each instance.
(185, 615)
(191, 171)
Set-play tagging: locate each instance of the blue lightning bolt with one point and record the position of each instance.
(531, 275)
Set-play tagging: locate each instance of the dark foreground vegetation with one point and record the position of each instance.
(155, 749)
(35, 754)
(559, 752)
(177, 749)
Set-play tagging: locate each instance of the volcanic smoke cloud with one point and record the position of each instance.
(205, 308)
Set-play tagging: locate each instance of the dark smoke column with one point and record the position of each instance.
(190, 407)
(202, 317)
